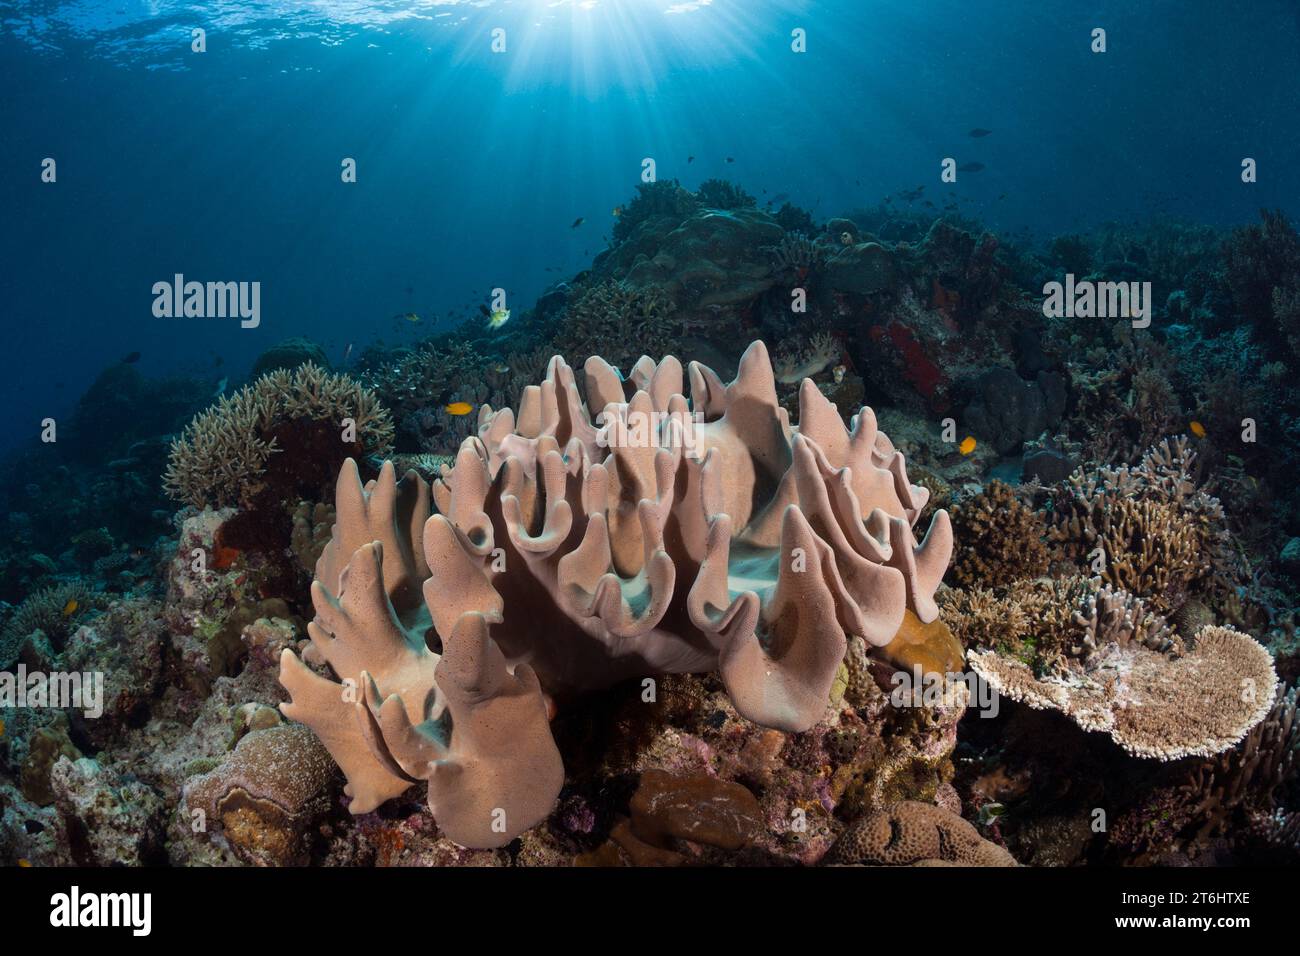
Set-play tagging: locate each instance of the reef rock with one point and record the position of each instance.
(714, 258)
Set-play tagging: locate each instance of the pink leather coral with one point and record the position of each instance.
(578, 544)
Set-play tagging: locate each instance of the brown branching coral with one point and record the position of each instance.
(224, 453)
(1109, 617)
(1033, 623)
(1147, 529)
(999, 539)
(1153, 704)
(1049, 623)
(1151, 551)
(571, 552)
(915, 834)
(1247, 776)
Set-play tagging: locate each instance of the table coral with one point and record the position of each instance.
(553, 565)
(1155, 704)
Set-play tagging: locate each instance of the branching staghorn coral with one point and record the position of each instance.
(1049, 624)
(224, 452)
(577, 545)
(1160, 536)
(999, 539)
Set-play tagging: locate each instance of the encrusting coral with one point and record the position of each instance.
(552, 568)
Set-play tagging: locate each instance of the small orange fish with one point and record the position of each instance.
(1198, 429)
(70, 608)
(2, 728)
(459, 408)
(967, 445)
(25, 863)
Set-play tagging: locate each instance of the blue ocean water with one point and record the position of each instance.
(474, 166)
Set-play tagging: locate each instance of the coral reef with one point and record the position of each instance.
(618, 626)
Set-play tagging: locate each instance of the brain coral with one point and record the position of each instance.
(915, 834)
(571, 551)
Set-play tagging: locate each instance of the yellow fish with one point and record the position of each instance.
(70, 608)
(1198, 429)
(459, 408)
(411, 317)
(498, 318)
(2, 728)
(967, 445)
(24, 863)
(618, 211)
